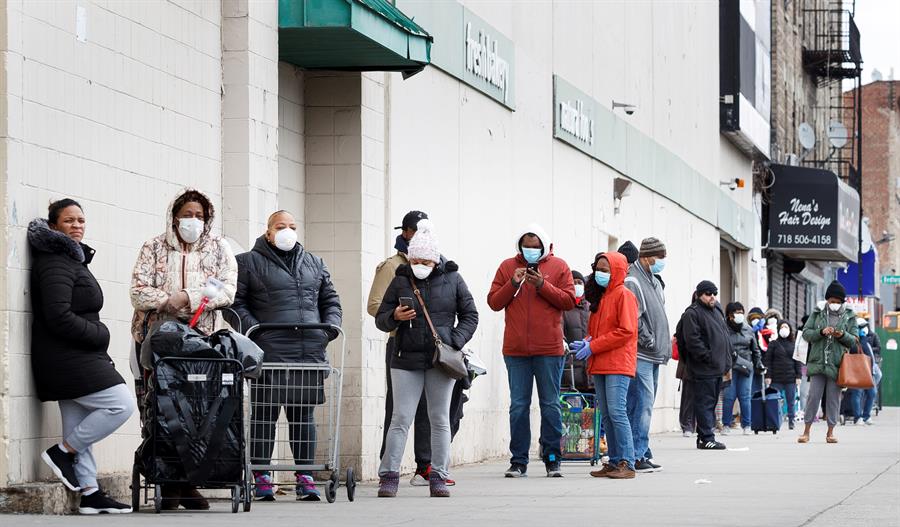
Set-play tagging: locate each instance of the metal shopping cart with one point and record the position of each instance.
(581, 428)
(295, 411)
(194, 426)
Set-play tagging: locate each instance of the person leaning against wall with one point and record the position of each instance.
(69, 358)
(167, 281)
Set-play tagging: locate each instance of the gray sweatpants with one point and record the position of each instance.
(819, 385)
(407, 390)
(88, 419)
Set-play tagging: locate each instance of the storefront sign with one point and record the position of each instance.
(890, 279)
(467, 47)
(485, 62)
(813, 215)
(574, 115)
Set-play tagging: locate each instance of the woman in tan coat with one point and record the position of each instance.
(168, 279)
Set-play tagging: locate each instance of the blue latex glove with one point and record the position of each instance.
(584, 350)
(577, 345)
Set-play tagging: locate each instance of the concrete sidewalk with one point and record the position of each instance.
(763, 480)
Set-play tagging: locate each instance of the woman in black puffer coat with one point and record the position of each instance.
(783, 372)
(452, 310)
(69, 357)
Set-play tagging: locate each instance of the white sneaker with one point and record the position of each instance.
(686, 434)
(868, 422)
(726, 430)
(418, 481)
(746, 430)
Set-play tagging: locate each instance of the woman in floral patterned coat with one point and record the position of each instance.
(168, 279)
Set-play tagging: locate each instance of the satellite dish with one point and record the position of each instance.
(837, 134)
(807, 136)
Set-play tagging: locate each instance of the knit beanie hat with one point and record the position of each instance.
(836, 290)
(424, 245)
(628, 250)
(652, 247)
(754, 314)
(577, 276)
(706, 287)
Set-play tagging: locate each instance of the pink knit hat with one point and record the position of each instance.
(424, 245)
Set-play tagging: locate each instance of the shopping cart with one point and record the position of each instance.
(581, 428)
(295, 411)
(194, 430)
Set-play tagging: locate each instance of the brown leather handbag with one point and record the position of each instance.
(856, 371)
(448, 359)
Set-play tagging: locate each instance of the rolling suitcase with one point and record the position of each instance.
(765, 410)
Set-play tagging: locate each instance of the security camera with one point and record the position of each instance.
(628, 108)
(732, 184)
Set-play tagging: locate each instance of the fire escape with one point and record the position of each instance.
(831, 55)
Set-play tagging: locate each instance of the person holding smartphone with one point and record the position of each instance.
(534, 288)
(428, 284)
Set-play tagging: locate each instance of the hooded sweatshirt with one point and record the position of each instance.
(534, 316)
(164, 268)
(614, 327)
(654, 343)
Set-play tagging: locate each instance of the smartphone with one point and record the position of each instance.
(531, 267)
(407, 302)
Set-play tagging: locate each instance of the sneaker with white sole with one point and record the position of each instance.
(644, 467)
(62, 464)
(99, 503)
(710, 445)
(306, 488)
(516, 470)
(746, 430)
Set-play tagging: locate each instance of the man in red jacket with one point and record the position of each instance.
(535, 288)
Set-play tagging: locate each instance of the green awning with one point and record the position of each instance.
(351, 35)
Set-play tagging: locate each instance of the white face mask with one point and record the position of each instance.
(422, 271)
(835, 307)
(579, 290)
(772, 324)
(784, 332)
(285, 239)
(190, 229)
(738, 318)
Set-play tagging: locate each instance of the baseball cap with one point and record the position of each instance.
(412, 219)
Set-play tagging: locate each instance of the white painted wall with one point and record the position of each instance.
(119, 121)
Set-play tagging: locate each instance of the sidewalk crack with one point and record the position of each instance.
(848, 496)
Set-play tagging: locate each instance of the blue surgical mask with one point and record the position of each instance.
(532, 255)
(863, 331)
(601, 278)
(658, 266)
(579, 290)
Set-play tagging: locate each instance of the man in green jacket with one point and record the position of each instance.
(831, 331)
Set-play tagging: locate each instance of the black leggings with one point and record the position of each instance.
(301, 432)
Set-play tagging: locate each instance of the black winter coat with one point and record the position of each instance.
(68, 341)
(296, 288)
(575, 321)
(707, 348)
(449, 303)
(779, 360)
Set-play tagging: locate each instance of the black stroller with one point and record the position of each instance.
(193, 423)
